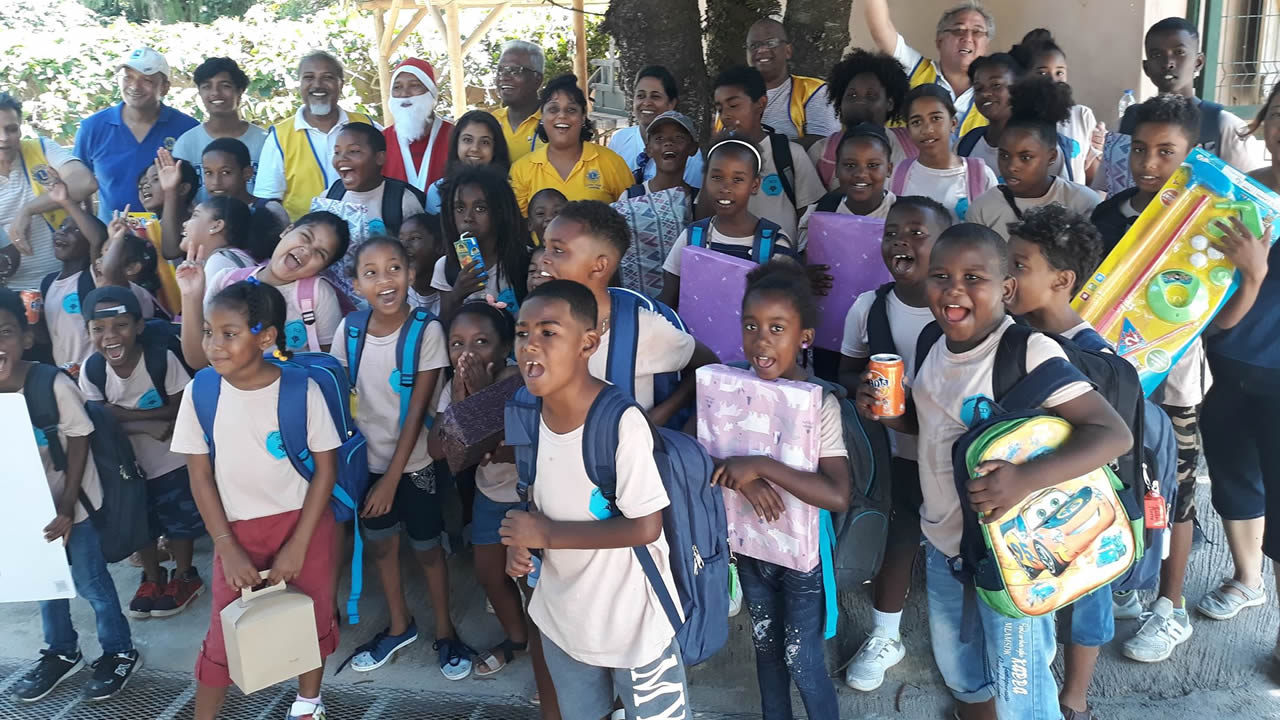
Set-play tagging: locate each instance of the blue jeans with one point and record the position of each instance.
(787, 613)
(997, 657)
(93, 583)
(1093, 623)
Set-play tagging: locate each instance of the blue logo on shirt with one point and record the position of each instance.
(598, 506)
(295, 334)
(771, 185)
(1075, 148)
(976, 409)
(71, 303)
(150, 400)
(275, 445)
(962, 208)
(41, 440)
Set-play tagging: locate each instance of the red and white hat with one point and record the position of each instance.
(420, 69)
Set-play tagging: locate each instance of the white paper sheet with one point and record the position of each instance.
(30, 568)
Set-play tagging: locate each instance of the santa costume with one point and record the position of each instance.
(417, 153)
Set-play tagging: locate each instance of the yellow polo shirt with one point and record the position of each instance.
(522, 140)
(600, 174)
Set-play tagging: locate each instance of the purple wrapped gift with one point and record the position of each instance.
(740, 414)
(850, 246)
(473, 426)
(711, 288)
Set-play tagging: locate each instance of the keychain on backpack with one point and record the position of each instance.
(1154, 509)
(735, 588)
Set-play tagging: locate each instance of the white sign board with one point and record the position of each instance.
(30, 568)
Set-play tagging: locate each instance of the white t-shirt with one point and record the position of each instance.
(819, 115)
(67, 329)
(993, 210)
(371, 200)
(137, 392)
(672, 263)
(660, 348)
(190, 147)
(328, 311)
(772, 202)
(881, 212)
(497, 481)
(1077, 130)
(629, 143)
(818, 149)
(73, 421)
(254, 476)
(905, 324)
(15, 191)
(598, 605)
(951, 391)
(949, 187)
(378, 389)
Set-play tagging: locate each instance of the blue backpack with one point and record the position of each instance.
(624, 340)
(762, 248)
(694, 523)
(353, 462)
(408, 347)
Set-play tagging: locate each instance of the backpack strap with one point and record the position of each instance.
(766, 240)
(699, 233)
(827, 164)
(781, 146)
(521, 419)
(969, 141)
(830, 202)
(206, 387)
(635, 191)
(155, 356)
(879, 334)
(1011, 360)
(357, 326)
(1210, 122)
(909, 149)
(336, 191)
(929, 336)
(408, 346)
(973, 175)
(900, 173)
(42, 407)
(1065, 150)
(393, 203)
(95, 371)
(307, 306)
(293, 424)
(1008, 198)
(1016, 389)
(624, 340)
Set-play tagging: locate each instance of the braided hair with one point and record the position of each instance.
(261, 305)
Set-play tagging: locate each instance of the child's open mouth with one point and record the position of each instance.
(669, 155)
(114, 352)
(291, 261)
(347, 173)
(901, 264)
(533, 369)
(4, 364)
(762, 362)
(387, 297)
(954, 313)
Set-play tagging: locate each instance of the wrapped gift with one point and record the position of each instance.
(473, 426)
(357, 218)
(711, 288)
(656, 220)
(850, 246)
(740, 414)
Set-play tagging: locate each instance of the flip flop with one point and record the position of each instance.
(490, 660)
(1221, 605)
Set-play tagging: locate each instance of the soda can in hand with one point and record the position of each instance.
(888, 378)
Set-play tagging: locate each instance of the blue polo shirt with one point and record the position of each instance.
(107, 146)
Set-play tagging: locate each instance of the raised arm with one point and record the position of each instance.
(171, 217)
(190, 277)
(880, 23)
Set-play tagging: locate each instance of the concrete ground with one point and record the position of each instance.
(1223, 670)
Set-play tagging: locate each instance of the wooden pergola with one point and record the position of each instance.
(445, 15)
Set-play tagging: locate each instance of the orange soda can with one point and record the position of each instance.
(33, 304)
(888, 379)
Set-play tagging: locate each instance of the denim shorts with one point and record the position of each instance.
(171, 511)
(416, 508)
(1092, 621)
(486, 518)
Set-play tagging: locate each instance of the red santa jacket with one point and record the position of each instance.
(395, 168)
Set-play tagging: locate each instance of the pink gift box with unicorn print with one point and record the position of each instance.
(740, 414)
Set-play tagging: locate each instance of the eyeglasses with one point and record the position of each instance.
(962, 33)
(771, 43)
(514, 71)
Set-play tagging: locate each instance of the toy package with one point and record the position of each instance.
(711, 288)
(1166, 280)
(740, 414)
(1060, 543)
(850, 246)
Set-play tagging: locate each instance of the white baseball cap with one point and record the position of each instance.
(146, 61)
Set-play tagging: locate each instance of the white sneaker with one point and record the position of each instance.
(1126, 605)
(1162, 630)
(878, 654)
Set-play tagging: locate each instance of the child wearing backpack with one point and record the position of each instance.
(380, 346)
(733, 179)
(142, 381)
(76, 489)
(313, 307)
(599, 558)
(938, 172)
(420, 235)
(478, 200)
(900, 308)
(864, 87)
(787, 606)
(231, 235)
(1029, 148)
(263, 515)
(1002, 664)
(861, 170)
(359, 152)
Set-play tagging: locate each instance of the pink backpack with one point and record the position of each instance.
(306, 299)
(973, 175)
(827, 164)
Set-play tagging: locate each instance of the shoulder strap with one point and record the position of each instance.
(1008, 197)
(357, 326)
(830, 202)
(291, 412)
(47, 282)
(624, 338)
(766, 240)
(827, 165)
(973, 174)
(782, 162)
(899, 181)
(965, 147)
(636, 190)
(393, 203)
(42, 407)
(929, 336)
(699, 233)
(879, 333)
(1064, 149)
(238, 275)
(909, 149)
(1210, 122)
(408, 345)
(1011, 360)
(95, 369)
(155, 356)
(520, 419)
(205, 389)
(307, 306)
(336, 191)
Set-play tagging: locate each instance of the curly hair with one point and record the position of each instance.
(567, 84)
(262, 307)
(784, 276)
(1038, 104)
(1067, 239)
(601, 221)
(1170, 109)
(887, 70)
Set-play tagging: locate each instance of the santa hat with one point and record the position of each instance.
(420, 69)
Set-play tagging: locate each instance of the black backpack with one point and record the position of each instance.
(830, 202)
(158, 339)
(121, 519)
(392, 200)
(781, 146)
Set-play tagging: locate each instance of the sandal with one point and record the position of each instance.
(492, 665)
(1070, 714)
(1222, 605)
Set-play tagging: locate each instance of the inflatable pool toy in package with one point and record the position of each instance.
(1059, 543)
(740, 414)
(1168, 277)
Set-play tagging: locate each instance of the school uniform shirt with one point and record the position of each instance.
(921, 70)
(660, 348)
(430, 302)
(378, 392)
(993, 210)
(949, 187)
(136, 392)
(522, 139)
(73, 422)
(253, 474)
(1077, 130)
(819, 114)
(15, 192)
(952, 392)
(191, 145)
(108, 147)
(270, 181)
(328, 311)
(371, 200)
(498, 285)
(629, 144)
(1189, 380)
(905, 324)
(67, 330)
(818, 149)
(672, 263)
(597, 605)
(497, 481)
(771, 202)
(990, 154)
(600, 174)
(881, 212)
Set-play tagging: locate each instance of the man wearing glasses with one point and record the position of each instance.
(797, 105)
(964, 34)
(519, 78)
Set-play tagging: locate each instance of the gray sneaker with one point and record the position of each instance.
(1163, 629)
(1126, 605)
(877, 654)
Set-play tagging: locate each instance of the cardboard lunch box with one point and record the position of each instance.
(270, 636)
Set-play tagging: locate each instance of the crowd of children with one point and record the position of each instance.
(984, 230)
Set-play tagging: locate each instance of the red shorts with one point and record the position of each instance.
(261, 539)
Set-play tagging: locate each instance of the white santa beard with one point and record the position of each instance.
(412, 114)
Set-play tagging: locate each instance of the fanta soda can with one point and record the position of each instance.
(33, 304)
(888, 376)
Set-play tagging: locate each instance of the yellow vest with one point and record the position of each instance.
(303, 165)
(926, 72)
(33, 161)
